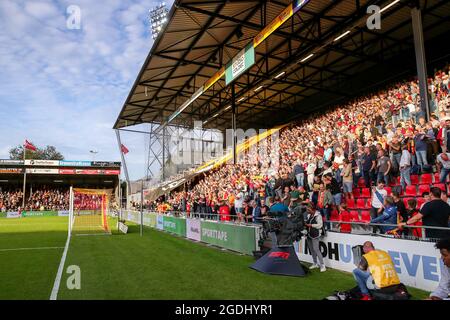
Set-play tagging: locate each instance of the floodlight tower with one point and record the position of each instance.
(158, 17)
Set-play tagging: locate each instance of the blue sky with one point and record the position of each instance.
(65, 87)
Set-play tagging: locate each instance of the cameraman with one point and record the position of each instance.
(314, 225)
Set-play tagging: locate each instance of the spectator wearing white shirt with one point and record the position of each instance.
(405, 166)
(310, 169)
(378, 195)
(443, 161)
(442, 292)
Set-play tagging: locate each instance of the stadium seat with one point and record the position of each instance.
(360, 203)
(345, 227)
(388, 190)
(365, 216)
(405, 201)
(441, 186)
(351, 204)
(365, 193)
(395, 182)
(420, 202)
(361, 183)
(356, 192)
(369, 203)
(437, 177)
(423, 188)
(426, 178)
(354, 216)
(410, 191)
(334, 215)
(414, 179)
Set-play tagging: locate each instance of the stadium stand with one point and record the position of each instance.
(384, 121)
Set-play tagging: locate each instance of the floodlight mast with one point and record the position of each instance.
(158, 17)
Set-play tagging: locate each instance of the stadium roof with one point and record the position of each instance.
(203, 36)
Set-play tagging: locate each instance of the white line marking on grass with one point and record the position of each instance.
(36, 248)
(54, 294)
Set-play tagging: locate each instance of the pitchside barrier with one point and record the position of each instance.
(43, 213)
(417, 263)
(241, 238)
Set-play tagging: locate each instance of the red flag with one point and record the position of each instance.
(124, 149)
(28, 145)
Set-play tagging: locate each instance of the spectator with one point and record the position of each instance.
(378, 195)
(278, 207)
(434, 213)
(347, 178)
(224, 211)
(384, 167)
(405, 166)
(401, 209)
(256, 212)
(442, 292)
(324, 203)
(443, 162)
(314, 225)
(368, 166)
(389, 215)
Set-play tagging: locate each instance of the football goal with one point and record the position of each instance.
(88, 211)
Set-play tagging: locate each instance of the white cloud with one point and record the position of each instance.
(66, 87)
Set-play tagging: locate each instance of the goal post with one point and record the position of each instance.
(88, 211)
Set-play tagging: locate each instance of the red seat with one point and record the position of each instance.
(420, 202)
(360, 203)
(414, 179)
(388, 190)
(356, 193)
(395, 182)
(426, 178)
(437, 177)
(423, 188)
(361, 183)
(410, 191)
(345, 227)
(334, 215)
(441, 186)
(369, 203)
(365, 193)
(354, 216)
(405, 200)
(365, 216)
(351, 204)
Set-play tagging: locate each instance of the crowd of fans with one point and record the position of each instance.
(42, 198)
(382, 137)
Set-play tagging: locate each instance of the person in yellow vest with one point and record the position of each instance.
(375, 271)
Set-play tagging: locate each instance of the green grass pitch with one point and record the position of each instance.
(155, 266)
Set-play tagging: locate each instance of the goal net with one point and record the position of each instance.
(89, 210)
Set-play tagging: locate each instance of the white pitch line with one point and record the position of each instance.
(54, 294)
(36, 248)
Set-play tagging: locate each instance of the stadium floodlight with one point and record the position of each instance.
(259, 88)
(241, 99)
(228, 107)
(215, 115)
(280, 74)
(158, 17)
(389, 5)
(342, 35)
(306, 58)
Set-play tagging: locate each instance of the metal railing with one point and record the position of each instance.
(241, 220)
